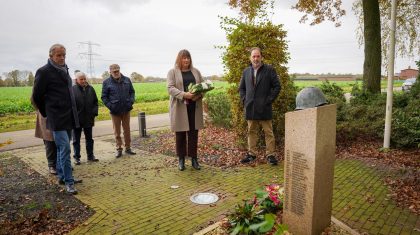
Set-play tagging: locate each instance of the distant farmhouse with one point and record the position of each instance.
(408, 73)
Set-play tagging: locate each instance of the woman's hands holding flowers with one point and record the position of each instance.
(188, 95)
(197, 97)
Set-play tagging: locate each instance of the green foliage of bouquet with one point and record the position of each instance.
(258, 216)
(201, 87)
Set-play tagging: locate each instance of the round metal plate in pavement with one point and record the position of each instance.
(204, 198)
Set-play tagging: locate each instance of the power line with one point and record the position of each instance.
(90, 54)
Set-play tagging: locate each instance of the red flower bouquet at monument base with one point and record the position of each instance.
(271, 198)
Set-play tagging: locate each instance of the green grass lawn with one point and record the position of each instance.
(17, 113)
(14, 100)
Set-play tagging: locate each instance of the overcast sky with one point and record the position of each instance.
(145, 36)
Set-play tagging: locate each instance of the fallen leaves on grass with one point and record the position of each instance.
(371, 149)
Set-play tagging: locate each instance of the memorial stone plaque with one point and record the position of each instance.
(309, 169)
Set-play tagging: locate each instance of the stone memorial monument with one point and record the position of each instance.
(309, 163)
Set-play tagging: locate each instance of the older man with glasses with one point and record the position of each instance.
(118, 96)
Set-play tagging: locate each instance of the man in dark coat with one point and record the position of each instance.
(118, 96)
(259, 87)
(87, 110)
(53, 96)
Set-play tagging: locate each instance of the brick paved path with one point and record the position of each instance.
(132, 195)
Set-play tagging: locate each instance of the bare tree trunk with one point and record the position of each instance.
(372, 36)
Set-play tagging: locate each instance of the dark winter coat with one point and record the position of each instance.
(118, 96)
(51, 95)
(258, 99)
(87, 104)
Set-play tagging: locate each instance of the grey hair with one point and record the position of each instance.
(80, 74)
(114, 66)
(55, 46)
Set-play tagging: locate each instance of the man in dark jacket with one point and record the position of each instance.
(87, 109)
(53, 95)
(259, 87)
(118, 96)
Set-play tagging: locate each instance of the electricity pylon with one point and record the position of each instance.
(89, 54)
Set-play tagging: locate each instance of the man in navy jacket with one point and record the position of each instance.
(53, 95)
(118, 96)
(259, 87)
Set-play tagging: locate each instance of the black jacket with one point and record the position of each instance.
(87, 105)
(51, 95)
(118, 96)
(258, 99)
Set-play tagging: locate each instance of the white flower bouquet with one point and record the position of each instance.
(201, 87)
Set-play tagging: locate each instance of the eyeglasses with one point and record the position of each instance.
(115, 71)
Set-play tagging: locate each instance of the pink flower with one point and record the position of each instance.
(275, 199)
(272, 187)
(274, 193)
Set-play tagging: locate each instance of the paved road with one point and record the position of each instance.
(25, 138)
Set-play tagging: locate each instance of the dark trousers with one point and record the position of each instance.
(51, 153)
(77, 133)
(187, 139)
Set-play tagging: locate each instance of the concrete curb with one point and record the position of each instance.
(208, 229)
(344, 226)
